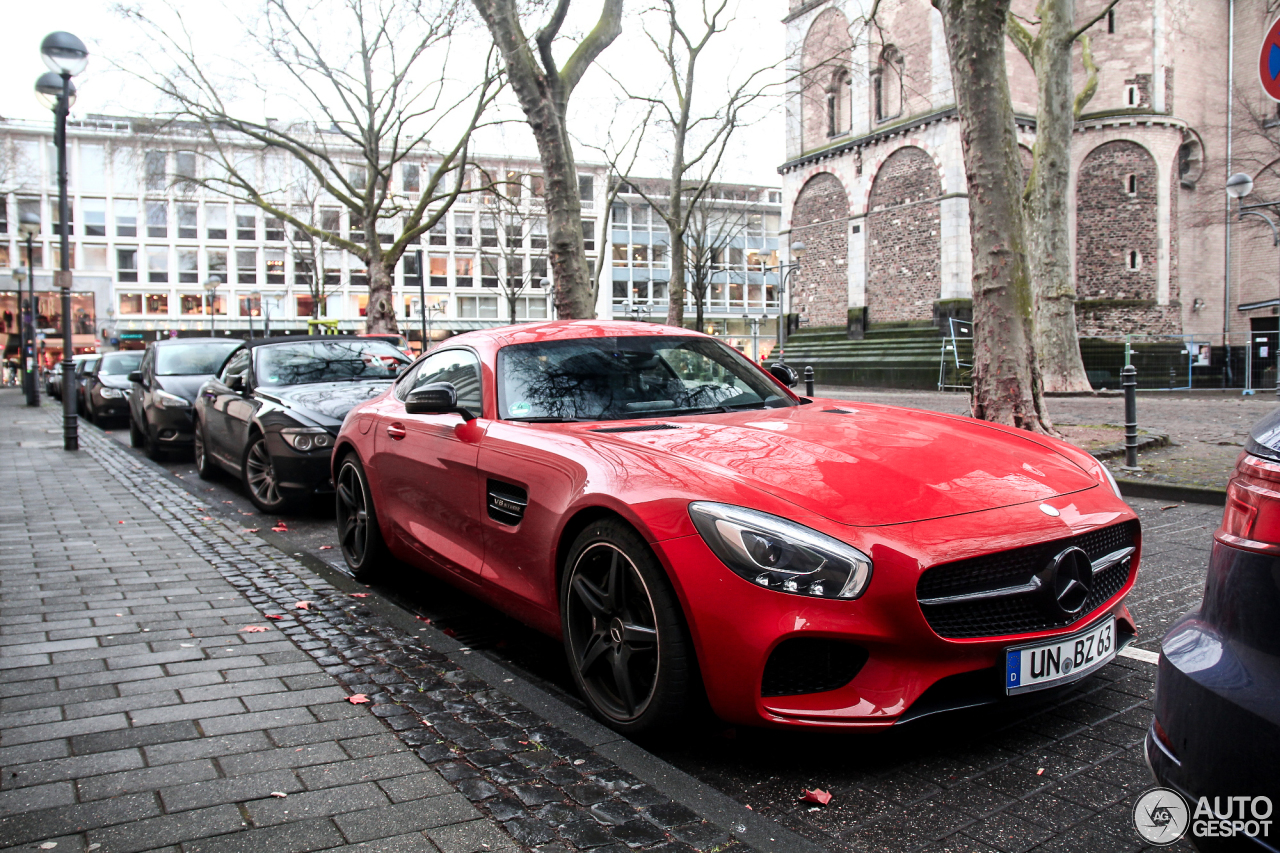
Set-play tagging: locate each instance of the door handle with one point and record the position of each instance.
(396, 431)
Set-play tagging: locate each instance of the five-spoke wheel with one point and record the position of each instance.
(624, 635)
(358, 533)
(260, 476)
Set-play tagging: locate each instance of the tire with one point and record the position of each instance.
(359, 537)
(257, 470)
(155, 451)
(204, 463)
(136, 437)
(624, 633)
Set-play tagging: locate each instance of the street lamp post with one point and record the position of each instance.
(1240, 185)
(422, 298)
(66, 56)
(210, 289)
(787, 270)
(29, 227)
(442, 306)
(19, 279)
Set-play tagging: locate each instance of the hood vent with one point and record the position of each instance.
(643, 428)
(840, 411)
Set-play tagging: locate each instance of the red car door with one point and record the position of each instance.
(426, 467)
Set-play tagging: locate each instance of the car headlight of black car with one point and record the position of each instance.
(307, 438)
(109, 393)
(165, 400)
(781, 555)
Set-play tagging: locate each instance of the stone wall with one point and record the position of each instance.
(1106, 319)
(1111, 223)
(820, 219)
(904, 248)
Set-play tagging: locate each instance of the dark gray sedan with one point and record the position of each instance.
(165, 385)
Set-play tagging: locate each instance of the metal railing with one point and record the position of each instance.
(953, 373)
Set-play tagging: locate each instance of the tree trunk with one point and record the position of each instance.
(1006, 381)
(699, 294)
(1057, 343)
(566, 255)
(380, 313)
(675, 289)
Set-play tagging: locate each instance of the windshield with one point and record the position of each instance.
(629, 377)
(120, 363)
(192, 359)
(327, 361)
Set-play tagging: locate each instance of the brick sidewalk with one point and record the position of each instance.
(136, 714)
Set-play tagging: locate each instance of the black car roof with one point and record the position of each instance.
(290, 339)
(168, 342)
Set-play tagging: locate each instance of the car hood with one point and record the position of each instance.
(866, 465)
(325, 402)
(114, 381)
(186, 387)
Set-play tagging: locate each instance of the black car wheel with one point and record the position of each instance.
(204, 465)
(360, 539)
(259, 472)
(136, 436)
(624, 634)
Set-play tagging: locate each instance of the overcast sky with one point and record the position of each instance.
(756, 38)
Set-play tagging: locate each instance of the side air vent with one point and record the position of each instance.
(507, 503)
(839, 411)
(810, 665)
(641, 428)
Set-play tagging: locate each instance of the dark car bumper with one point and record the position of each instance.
(300, 473)
(1218, 694)
(172, 426)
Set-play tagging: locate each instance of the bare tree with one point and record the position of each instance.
(543, 88)
(357, 63)
(1006, 378)
(1048, 50)
(698, 142)
(308, 250)
(709, 246)
(504, 225)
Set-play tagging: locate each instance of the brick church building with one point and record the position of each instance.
(874, 181)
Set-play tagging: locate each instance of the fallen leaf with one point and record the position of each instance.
(750, 809)
(279, 530)
(303, 605)
(817, 795)
(1170, 506)
(250, 530)
(359, 595)
(202, 509)
(273, 616)
(326, 547)
(118, 522)
(49, 845)
(1040, 771)
(206, 518)
(226, 502)
(252, 629)
(280, 794)
(358, 699)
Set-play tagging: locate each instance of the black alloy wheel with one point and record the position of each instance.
(624, 633)
(136, 437)
(200, 450)
(259, 472)
(361, 541)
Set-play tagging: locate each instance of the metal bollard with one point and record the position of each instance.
(808, 381)
(1129, 381)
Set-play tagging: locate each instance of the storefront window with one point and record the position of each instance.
(130, 303)
(191, 304)
(157, 303)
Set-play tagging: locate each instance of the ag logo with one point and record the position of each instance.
(1161, 816)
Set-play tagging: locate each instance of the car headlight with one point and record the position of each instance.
(307, 438)
(165, 400)
(781, 555)
(112, 393)
(1110, 480)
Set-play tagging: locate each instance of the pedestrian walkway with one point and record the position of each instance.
(169, 682)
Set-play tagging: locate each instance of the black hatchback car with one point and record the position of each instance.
(165, 385)
(271, 414)
(106, 389)
(1216, 729)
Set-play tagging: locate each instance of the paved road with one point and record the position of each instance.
(1054, 773)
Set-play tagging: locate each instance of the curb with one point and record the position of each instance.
(714, 806)
(1171, 492)
(1145, 442)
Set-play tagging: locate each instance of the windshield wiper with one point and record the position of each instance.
(550, 420)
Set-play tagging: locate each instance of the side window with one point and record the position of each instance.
(459, 367)
(239, 363)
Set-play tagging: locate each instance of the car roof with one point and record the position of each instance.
(168, 342)
(292, 339)
(566, 330)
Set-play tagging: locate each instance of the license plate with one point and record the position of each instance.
(1061, 661)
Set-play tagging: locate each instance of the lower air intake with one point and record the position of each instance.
(810, 665)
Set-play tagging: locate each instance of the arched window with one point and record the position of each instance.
(838, 104)
(886, 84)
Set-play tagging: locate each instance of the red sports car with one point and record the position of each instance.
(685, 522)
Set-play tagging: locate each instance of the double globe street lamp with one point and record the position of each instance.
(66, 57)
(786, 270)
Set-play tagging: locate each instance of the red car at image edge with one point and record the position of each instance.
(684, 522)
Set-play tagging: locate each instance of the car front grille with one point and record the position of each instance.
(1020, 613)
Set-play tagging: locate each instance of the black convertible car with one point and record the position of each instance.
(272, 411)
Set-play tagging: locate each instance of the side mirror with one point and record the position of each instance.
(135, 376)
(784, 374)
(435, 398)
(236, 382)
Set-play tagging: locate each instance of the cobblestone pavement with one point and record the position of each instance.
(137, 713)
(1057, 773)
(1207, 430)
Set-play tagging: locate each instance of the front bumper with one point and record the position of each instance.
(172, 426)
(907, 670)
(299, 473)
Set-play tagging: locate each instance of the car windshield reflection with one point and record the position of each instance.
(614, 378)
(306, 362)
(192, 359)
(120, 363)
